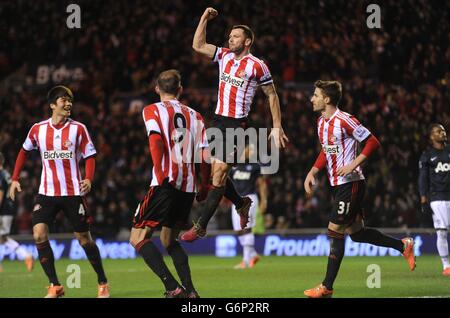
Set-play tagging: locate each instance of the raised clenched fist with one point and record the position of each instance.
(210, 13)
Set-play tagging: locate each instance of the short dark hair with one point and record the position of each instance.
(2, 159)
(432, 126)
(57, 92)
(247, 31)
(331, 89)
(169, 81)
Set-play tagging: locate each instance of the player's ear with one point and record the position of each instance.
(248, 42)
(157, 90)
(180, 91)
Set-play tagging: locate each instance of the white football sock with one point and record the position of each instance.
(248, 244)
(442, 246)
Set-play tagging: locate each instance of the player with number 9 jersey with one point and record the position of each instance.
(177, 142)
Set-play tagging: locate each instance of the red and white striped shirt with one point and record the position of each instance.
(238, 81)
(339, 137)
(183, 132)
(61, 150)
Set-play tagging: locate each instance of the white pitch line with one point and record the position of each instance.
(440, 296)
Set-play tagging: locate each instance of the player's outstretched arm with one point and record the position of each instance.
(199, 42)
(277, 132)
(15, 185)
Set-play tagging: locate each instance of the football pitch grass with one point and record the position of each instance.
(272, 277)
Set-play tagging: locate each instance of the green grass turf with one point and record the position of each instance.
(272, 277)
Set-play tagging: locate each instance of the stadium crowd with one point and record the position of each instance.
(396, 81)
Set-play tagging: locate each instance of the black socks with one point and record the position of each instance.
(47, 261)
(93, 255)
(337, 249)
(375, 237)
(153, 257)
(211, 204)
(181, 263)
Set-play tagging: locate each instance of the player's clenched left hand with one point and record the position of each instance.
(85, 186)
(279, 137)
(345, 170)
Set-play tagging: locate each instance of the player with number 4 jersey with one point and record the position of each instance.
(62, 144)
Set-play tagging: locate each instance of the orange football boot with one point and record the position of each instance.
(103, 291)
(253, 261)
(54, 291)
(319, 291)
(408, 253)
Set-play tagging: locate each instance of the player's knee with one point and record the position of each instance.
(166, 242)
(40, 237)
(220, 176)
(85, 240)
(219, 182)
(40, 233)
(333, 234)
(134, 241)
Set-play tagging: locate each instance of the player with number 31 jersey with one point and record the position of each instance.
(339, 135)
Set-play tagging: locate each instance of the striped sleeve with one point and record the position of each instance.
(355, 129)
(150, 115)
(220, 53)
(263, 76)
(31, 140)
(202, 139)
(85, 142)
